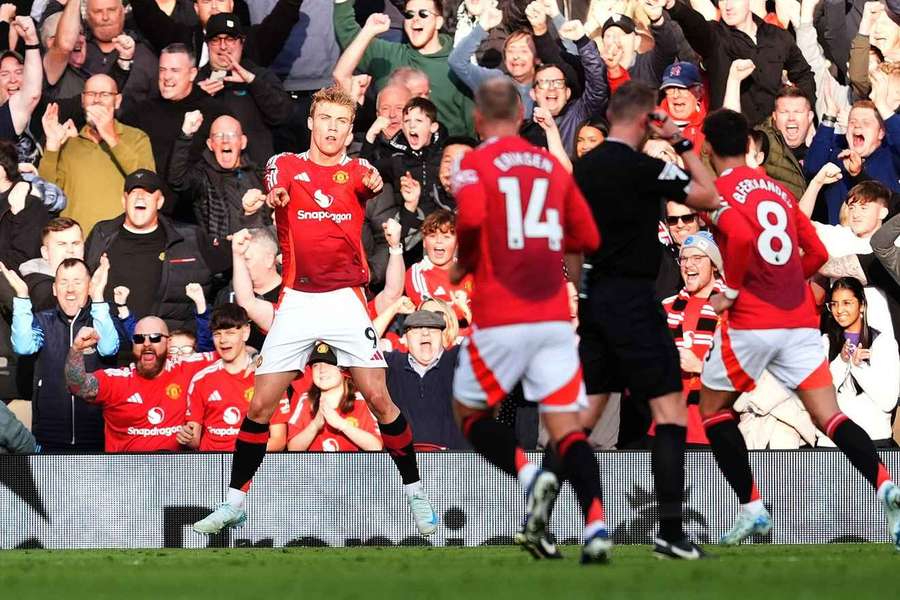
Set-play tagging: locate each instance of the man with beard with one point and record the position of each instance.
(224, 184)
(144, 403)
(62, 421)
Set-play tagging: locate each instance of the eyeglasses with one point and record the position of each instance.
(186, 350)
(687, 219)
(87, 95)
(691, 260)
(423, 13)
(833, 306)
(141, 338)
(224, 40)
(550, 84)
(225, 136)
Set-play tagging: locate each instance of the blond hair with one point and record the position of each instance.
(333, 95)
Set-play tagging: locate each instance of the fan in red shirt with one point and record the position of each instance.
(332, 416)
(219, 394)
(521, 216)
(143, 404)
(319, 200)
(771, 325)
(430, 277)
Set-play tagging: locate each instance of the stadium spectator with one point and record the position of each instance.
(681, 222)
(332, 416)
(430, 277)
(589, 135)
(427, 49)
(256, 283)
(519, 55)
(181, 341)
(870, 146)
(389, 105)
(454, 149)
(693, 321)
(250, 93)
(553, 89)
(143, 404)
(154, 256)
(413, 79)
(451, 334)
(421, 381)
(61, 420)
(773, 418)
(685, 100)
(884, 245)
(741, 34)
(225, 184)
(20, 88)
(219, 394)
(61, 238)
(264, 41)
(304, 64)
(462, 16)
(15, 438)
(865, 364)
(621, 42)
(22, 213)
(90, 165)
(65, 51)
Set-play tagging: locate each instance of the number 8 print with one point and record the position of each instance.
(773, 231)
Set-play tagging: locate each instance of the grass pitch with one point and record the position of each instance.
(853, 571)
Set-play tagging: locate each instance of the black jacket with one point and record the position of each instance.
(62, 420)
(424, 165)
(189, 257)
(214, 189)
(259, 106)
(20, 233)
(774, 50)
(263, 43)
(426, 401)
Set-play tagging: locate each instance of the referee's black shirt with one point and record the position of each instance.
(626, 190)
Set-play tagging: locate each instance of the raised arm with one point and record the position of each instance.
(21, 105)
(884, 245)
(260, 311)
(67, 31)
(395, 274)
(697, 30)
(268, 37)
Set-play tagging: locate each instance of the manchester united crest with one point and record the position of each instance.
(173, 391)
(341, 177)
(248, 394)
(322, 348)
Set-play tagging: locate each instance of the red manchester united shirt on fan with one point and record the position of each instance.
(219, 400)
(320, 229)
(762, 231)
(143, 415)
(519, 212)
(329, 439)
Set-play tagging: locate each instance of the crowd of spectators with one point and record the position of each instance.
(134, 136)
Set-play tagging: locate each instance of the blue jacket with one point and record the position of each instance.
(427, 402)
(61, 420)
(881, 164)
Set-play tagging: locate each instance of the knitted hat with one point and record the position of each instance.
(704, 242)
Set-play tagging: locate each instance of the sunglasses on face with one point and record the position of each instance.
(550, 84)
(141, 338)
(423, 13)
(686, 219)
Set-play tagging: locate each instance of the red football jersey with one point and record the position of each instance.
(218, 400)
(761, 231)
(330, 439)
(320, 229)
(519, 212)
(143, 415)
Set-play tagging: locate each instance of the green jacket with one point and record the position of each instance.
(449, 94)
(781, 164)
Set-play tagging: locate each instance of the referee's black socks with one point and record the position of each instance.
(668, 478)
(398, 441)
(249, 451)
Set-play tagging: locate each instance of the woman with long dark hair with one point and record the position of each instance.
(332, 416)
(865, 365)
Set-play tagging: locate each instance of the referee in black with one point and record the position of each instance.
(625, 343)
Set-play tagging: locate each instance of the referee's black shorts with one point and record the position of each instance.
(625, 342)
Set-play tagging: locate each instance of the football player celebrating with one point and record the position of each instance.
(319, 200)
(772, 325)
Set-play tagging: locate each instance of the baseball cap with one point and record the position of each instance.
(224, 23)
(621, 21)
(322, 352)
(681, 75)
(144, 179)
(424, 318)
(704, 242)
